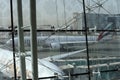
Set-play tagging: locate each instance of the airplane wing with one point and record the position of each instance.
(45, 68)
(56, 57)
(6, 62)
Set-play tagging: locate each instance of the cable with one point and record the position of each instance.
(101, 5)
(118, 5)
(57, 13)
(5, 65)
(64, 12)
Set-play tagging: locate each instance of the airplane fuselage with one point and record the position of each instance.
(55, 42)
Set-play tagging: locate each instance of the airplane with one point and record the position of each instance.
(55, 42)
(45, 67)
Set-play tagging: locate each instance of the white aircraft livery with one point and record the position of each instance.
(55, 42)
(45, 67)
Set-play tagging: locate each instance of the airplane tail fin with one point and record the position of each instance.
(105, 32)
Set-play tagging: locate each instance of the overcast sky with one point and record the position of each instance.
(47, 14)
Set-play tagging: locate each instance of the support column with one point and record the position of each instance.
(33, 40)
(21, 40)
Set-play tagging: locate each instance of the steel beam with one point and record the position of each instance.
(21, 40)
(33, 39)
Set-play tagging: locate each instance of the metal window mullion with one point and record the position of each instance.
(13, 44)
(86, 35)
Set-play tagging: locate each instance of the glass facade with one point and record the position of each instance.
(80, 37)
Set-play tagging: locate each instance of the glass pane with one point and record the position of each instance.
(61, 31)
